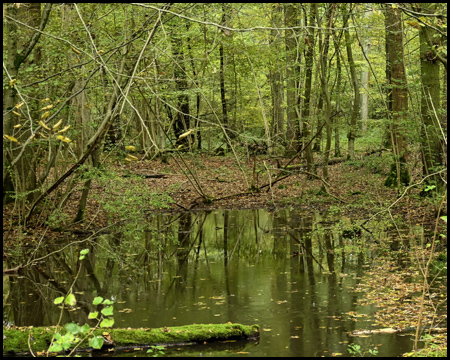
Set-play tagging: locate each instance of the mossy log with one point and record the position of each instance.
(18, 340)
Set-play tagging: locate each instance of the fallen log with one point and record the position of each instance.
(20, 340)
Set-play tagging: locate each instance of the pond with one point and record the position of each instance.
(293, 273)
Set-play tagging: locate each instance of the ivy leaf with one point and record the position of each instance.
(71, 300)
(93, 315)
(55, 347)
(107, 323)
(73, 328)
(58, 300)
(98, 300)
(96, 342)
(107, 311)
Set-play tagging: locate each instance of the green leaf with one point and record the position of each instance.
(96, 342)
(84, 252)
(58, 300)
(71, 300)
(107, 311)
(98, 300)
(107, 323)
(108, 302)
(73, 328)
(55, 347)
(85, 328)
(93, 315)
(444, 218)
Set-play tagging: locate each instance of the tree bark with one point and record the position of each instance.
(431, 146)
(394, 37)
(351, 135)
(293, 125)
(309, 61)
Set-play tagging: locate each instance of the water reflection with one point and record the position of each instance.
(292, 273)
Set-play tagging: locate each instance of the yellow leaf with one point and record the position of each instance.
(16, 113)
(187, 133)
(12, 82)
(100, 52)
(179, 147)
(45, 137)
(18, 106)
(57, 125)
(60, 137)
(31, 138)
(64, 129)
(130, 147)
(18, 126)
(132, 157)
(11, 138)
(67, 140)
(44, 125)
(45, 115)
(48, 107)
(45, 100)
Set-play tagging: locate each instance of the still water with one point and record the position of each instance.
(291, 273)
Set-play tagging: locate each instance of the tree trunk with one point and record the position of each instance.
(276, 76)
(351, 135)
(337, 144)
(23, 172)
(182, 117)
(293, 130)
(431, 147)
(365, 75)
(309, 60)
(324, 83)
(394, 37)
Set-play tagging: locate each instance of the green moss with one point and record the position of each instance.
(17, 338)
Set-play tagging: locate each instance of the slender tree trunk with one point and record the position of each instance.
(351, 135)
(365, 75)
(182, 117)
(337, 145)
(309, 61)
(292, 130)
(324, 83)
(276, 76)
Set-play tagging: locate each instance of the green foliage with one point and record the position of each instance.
(356, 350)
(75, 334)
(405, 178)
(156, 350)
(431, 349)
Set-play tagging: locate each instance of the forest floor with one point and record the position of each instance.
(355, 189)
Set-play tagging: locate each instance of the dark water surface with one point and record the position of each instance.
(292, 273)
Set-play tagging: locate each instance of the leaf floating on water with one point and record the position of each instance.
(267, 329)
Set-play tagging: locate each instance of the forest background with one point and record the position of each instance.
(95, 88)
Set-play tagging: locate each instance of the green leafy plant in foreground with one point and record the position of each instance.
(355, 350)
(156, 350)
(75, 334)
